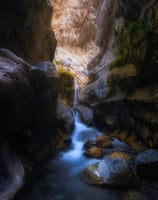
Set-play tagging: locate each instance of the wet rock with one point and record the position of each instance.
(86, 114)
(147, 164)
(121, 145)
(127, 141)
(94, 152)
(133, 196)
(64, 116)
(91, 175)
(122, 155)
(103, 141)
(89, 143)
(122, 90)
(113, 172)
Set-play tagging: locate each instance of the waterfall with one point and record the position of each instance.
(76, 92)
(80, 135)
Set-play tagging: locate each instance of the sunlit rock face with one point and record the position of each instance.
(26, 29)
(112, 16)
(124, 87)
(74, 23)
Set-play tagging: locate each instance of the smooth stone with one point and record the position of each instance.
(91, 175)
(64, 116)
(133, 196)
(89, 143)
(147, 164)
(94, 152)
(122, 155)
(113, 172)
(86, 114)
(147, 157)
(103, 141)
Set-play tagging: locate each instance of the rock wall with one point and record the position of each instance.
(26, 29)
(74, 22)
(112, 15)
(34, 125)
(123, 86)
(28, 104)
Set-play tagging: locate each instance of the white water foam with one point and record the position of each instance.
(74, 156)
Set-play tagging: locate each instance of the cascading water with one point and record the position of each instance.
(80, 134)
(76, 93)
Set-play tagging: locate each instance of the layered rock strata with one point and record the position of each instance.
(123, 86)
(26, 29)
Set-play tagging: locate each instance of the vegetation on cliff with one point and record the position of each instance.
(131, 44)
(66, 87)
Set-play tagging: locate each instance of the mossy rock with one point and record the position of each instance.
(66, 86)
(132, 44)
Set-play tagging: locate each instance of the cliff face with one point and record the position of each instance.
(74, 24)
(28, 104)
(31, 117)
(123, 77)
(26, 29)
(112, 15)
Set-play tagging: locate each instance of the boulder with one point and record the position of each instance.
(28, 99)
(122, 155)
(120, 144)
(94, 152)
(114, 172)
(89, 143)
(147, 164)
(103, 141)
(86, 114)
(64, 116)
(91, 175)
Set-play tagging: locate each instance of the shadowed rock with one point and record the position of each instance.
(26, 29)
(147, 164)
(27, 102)
(116, 170)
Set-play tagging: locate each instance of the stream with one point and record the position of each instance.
(60, 178)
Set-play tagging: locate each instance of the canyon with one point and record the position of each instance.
(110, 48)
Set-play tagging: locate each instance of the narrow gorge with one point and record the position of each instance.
(79, 100)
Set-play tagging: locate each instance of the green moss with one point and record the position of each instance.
(58, 62)
(138, 30)
(131, 42)
(66, 88)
